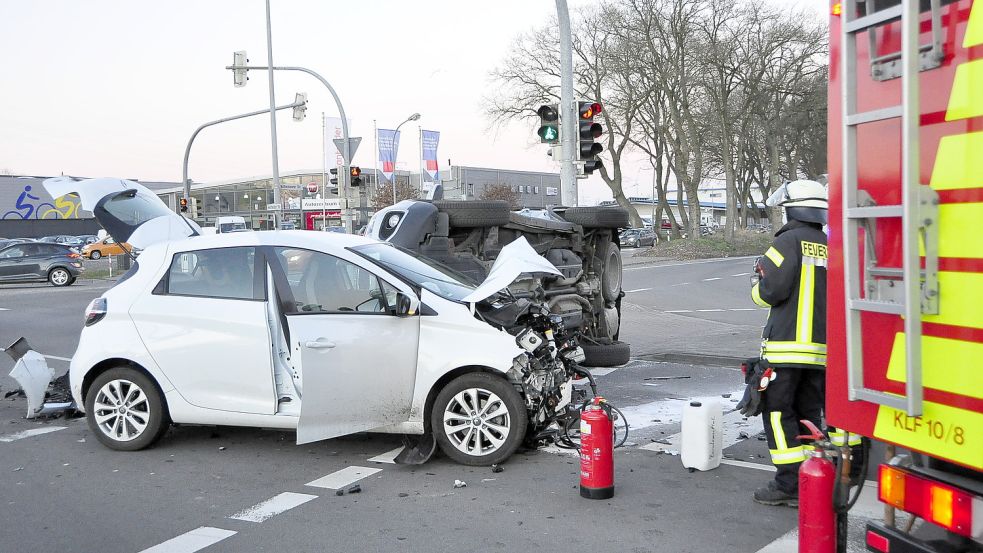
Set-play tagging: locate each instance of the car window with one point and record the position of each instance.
(109, 240)
(51, 249)
(216, 273)
(323, 283)
(418, 270)
(12, 252)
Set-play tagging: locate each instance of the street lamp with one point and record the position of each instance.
(414, 117)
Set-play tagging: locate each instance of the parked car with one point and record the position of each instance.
(29, 261)
(325, 333)
(637, 237)
(11, 241)
(104, 247)
(88, 239)
(232, 223)
(582, 242)
(66, 239)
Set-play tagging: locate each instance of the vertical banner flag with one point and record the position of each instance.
(388, 140)
(430, 141)
(332, 130)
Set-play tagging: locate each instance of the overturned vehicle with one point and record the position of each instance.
(324, 333)
(582, 242)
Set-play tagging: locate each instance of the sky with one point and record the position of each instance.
(116, 87)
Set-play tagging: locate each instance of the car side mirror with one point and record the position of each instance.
(406, 306)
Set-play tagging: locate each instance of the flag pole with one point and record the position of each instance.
(375, 163)
(324, 179)
(419, 130)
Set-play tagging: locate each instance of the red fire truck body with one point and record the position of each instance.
(905, 296)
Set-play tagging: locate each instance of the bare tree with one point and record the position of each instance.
(383, 195)
(503, 192)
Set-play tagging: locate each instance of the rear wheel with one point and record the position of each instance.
(60, 277)
(478, 419)
(125, 411)
(96, 254)
(597, 217)
(477, 213)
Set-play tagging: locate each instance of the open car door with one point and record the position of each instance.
(128, 211)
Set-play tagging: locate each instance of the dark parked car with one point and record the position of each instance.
(637, 237)
(56, 263)
(65, 239)
(88, 239)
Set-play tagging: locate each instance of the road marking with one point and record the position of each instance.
(604, 371)
(273, 506)
(681, 284)
(709, 279)
(741, 274)
(29, 433)
(745, 309)
(748, 465)
(709, 310)
(4, 309)
(387, 457)
(718, 260)
(340, 479)
(192, 541)
(678, 311)
(638, 290)
(733, 423)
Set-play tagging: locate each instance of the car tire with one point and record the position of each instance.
(453, 408)
(59, 276)
(95, 254)
(475, 213)
(597, 217)
(607, 263)
(612, 354)
(147, 413)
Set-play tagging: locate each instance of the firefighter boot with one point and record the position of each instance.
(771, 495)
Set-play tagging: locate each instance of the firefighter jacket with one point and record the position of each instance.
(793, 285)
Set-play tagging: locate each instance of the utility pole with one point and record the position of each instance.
(568, 110)
(276, 162)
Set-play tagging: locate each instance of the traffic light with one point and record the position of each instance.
(184, 205)
(549, 124)
(589, 131)
(196, 208)
(239, 70)
(356, 173)
(334, 176)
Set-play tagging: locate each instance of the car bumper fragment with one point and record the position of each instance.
(34, 375)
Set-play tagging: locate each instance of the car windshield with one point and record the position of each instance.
(420, 271)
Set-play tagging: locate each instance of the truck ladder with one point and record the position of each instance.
(908, 291)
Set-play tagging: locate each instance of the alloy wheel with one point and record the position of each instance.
(121, 410)
(476, 421)
(60, 277)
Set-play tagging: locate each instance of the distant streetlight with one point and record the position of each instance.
(414, 117)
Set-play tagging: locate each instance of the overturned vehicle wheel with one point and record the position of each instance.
(611, 354)
(478, 419)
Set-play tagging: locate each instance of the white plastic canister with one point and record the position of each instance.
(702, 435)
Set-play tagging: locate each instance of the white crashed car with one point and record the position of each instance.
(325, 333)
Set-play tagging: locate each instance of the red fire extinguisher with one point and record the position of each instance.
(597, 450)
(817, 517)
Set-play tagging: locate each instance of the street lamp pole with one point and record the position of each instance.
(413, 117)
(276, 162)
(568, 111)
(187, 149)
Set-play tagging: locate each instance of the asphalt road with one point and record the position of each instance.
(250, 489)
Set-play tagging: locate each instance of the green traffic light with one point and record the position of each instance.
(549, 134)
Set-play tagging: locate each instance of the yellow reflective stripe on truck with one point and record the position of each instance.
(958, 163)
(974, 29)
(960, 300)
(949, 365)
(965, 100)
(943, 431)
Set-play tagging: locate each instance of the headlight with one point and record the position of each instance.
(95, 311)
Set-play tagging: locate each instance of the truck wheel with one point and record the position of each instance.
(478, 213)
(612, 354)
(478, 419)
(597, 217)
(607, 263)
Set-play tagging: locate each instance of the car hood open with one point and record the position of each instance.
(128, 211)
(516, 258)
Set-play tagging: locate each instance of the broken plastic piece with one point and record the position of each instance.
(497, 468)
(416, 449)
(460, 484)
(355, 489)
(340, 492)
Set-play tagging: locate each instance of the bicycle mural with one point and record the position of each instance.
(65, 207)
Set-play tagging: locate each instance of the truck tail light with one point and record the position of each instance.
(942, 504)
(95, 311)
(878, 542)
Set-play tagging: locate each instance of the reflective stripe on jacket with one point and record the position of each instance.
(793, 285)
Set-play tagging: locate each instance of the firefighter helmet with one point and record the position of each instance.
(804, 200)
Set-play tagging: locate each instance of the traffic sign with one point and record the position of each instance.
(312, 187)
(353, 143)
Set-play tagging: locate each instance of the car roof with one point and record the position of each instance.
(295, 238)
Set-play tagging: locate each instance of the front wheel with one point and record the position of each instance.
(125, 411)
(478, 419)
(96, 254)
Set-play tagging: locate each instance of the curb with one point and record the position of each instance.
(694, 358)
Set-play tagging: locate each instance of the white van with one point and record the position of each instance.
(230, 224)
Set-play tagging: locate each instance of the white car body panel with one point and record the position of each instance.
(516, 258)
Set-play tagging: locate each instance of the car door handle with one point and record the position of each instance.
(319, 344)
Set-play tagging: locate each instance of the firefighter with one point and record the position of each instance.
(791, 280)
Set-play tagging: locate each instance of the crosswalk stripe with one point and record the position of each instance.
(340, 479)
(273, 506)
(29, 433)
(192, 541)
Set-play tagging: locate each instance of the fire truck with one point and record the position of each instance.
(905, 297)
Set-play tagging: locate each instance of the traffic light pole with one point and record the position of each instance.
(346, 149)
(568, 110)
(187, 149)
